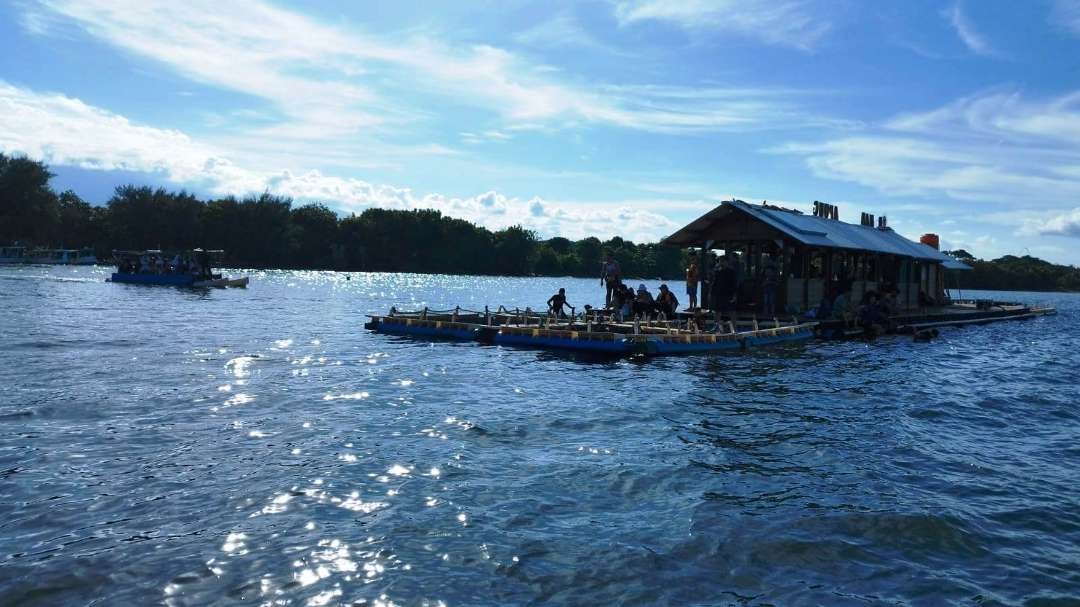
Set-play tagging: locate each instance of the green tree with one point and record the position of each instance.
(29, 210)
(515, 250)
(315, 232)
(77, 225)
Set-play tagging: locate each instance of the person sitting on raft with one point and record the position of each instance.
(870, 315)
(666, 302)
(618, 296)
(643, 303)
(925, 301)
(626, 309)
(556, 302)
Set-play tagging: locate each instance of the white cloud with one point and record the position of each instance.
(64, 131)
(793, 23)
(975, 41)
(1064, 224)
(333, 82)
(563, 30)
(994, 147)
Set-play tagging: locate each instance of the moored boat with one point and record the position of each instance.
(184, 269)
(12, 254)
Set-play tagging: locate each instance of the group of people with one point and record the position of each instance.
(152, 263)
(626, 303)
(873, 311)
(726, 284)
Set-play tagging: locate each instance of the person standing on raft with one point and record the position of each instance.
(691, 284)
(610, 275)
(556, 302)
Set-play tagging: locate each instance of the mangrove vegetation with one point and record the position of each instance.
(269, 231)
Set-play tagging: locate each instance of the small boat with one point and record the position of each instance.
(62, 257)
(186, 269)
(12, 255)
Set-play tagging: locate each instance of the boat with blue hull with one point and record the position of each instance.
(189, 269)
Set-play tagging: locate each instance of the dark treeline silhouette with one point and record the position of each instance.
(1012, 273)
(267, 231)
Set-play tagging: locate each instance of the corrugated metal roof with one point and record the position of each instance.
(812, 231)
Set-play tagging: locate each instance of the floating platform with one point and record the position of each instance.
(598, 332)
(591, 332)
(958, 314)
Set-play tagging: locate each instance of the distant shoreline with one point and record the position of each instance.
(676, 283)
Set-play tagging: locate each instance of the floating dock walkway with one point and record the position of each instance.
(600, 332)
(588, 332)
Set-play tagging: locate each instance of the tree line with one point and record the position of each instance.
(1012, 273)
(268, 231)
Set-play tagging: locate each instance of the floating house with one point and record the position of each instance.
(816, 255)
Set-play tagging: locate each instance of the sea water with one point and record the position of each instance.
(258, 446)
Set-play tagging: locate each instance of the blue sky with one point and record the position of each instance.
(574, 119)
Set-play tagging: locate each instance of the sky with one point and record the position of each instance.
(618, 117)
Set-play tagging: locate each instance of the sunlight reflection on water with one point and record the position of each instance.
(281, 454)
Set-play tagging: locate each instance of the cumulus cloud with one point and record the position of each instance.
(1063, 224)
(61, 130)
(793, 23)
(994, 147)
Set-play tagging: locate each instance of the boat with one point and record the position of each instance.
(154, 267)
(62, 257)
(12, 255)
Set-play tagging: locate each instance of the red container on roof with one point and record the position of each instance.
(930, 240)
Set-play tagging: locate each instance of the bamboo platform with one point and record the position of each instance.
(590, 331)
(959, 314)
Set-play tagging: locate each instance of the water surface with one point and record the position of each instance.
(259, 447)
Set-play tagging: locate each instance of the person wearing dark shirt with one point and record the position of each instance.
(643, 303)
(666, 302)
(770, 280)
(556, 302)
(724, 289)
(870, 315)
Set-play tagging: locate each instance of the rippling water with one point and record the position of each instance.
(162, 445)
